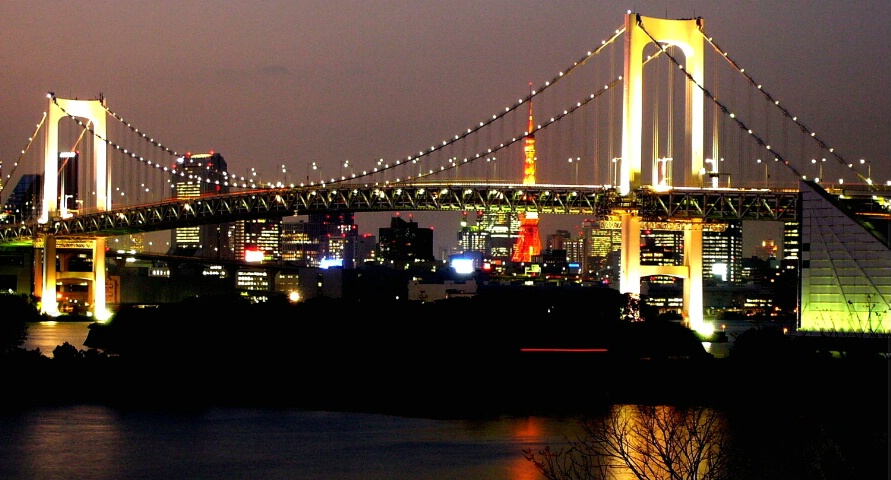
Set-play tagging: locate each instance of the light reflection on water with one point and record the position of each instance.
(48, 335)
(101, 443)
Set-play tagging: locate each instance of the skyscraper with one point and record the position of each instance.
(722, 253)
(258, 239)
(24, 201)
(203, 173)
(405, 244)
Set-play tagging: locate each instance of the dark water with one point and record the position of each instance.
(98, 442)
(101, 442)
(95, 442)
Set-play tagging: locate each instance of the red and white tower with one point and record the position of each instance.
(528, 243)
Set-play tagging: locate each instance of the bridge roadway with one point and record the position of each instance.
(707, 204)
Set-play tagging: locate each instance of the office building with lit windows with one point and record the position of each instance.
(471, 238)
(503, 229)
(202, 174)
(661, 248)
(300, 243)
(24, 202)
(602, 240)
(722, 253)
(405, 244)
(324, 239)
(258, 240)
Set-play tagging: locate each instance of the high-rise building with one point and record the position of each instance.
(365, 250)
(555, 240)
(791, 240)
(300, 243)
(661, 248)
(405, 244)
(24, 201)
(502, 229)
(258, 239)
(472, 238)
(562, 240)
(202, 174)
(722, 253)
(337, 242)
(324, 239)
(602, 239)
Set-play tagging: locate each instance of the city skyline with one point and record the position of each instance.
(266, 86)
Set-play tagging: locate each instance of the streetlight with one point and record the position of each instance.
(868, 170)
(615, 163)
(577, 160)
(713, 173)
(314, 168)
(820, 163)
(380, 166)
(494, 169)
(766, 173)
(661, 176)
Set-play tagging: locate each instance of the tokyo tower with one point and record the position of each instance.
(528, 243)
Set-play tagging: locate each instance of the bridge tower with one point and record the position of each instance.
(639, 32)
(52, 207)
(529, 242)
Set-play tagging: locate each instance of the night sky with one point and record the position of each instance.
(268, 83)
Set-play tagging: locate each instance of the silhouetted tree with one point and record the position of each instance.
(17, 310)
(66, 352)
(647, 442)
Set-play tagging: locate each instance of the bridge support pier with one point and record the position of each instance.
(47, 276)
(100, 310)
(49, 304)
(690, 271)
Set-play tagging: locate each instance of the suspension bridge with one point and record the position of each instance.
(678, 135)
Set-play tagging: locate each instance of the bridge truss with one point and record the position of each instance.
(651, 205)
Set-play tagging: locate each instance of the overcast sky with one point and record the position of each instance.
(272, 82)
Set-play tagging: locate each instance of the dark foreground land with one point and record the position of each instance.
(451, 358)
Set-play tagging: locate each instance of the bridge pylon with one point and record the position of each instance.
(640, 31)
(690, 271)
(53, 203)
